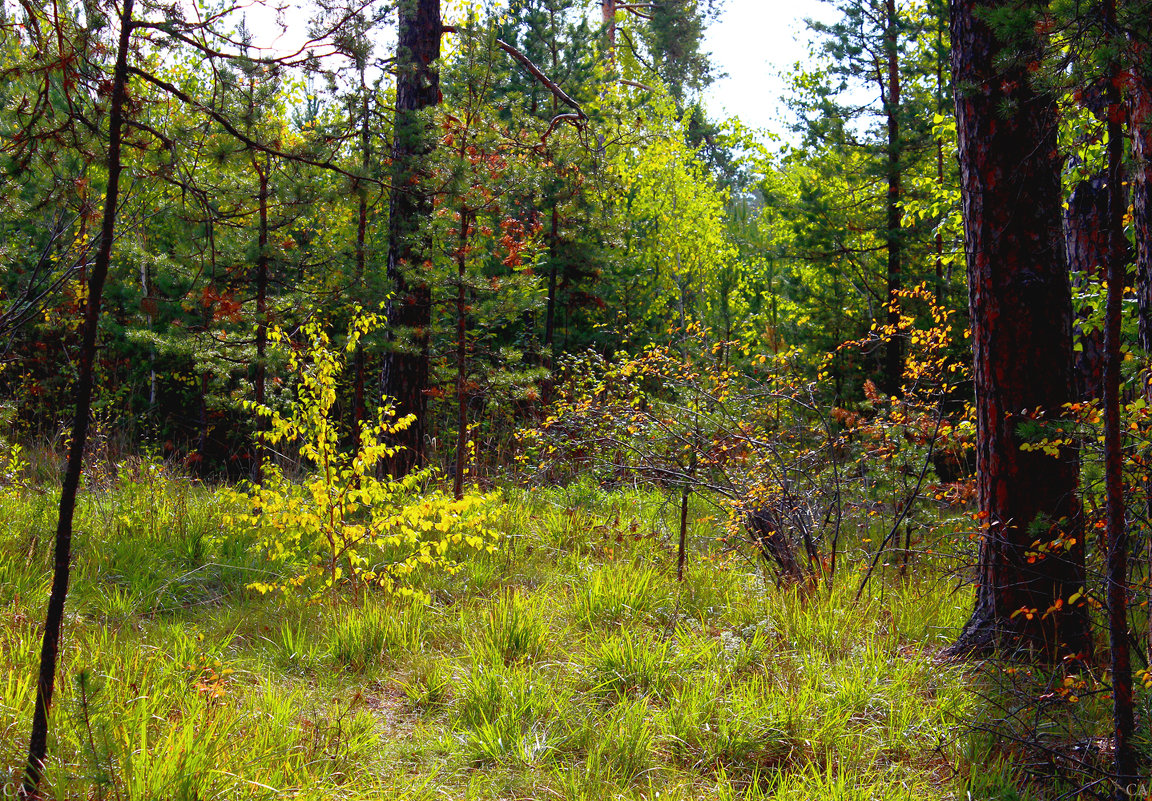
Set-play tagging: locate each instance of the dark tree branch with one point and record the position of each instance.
(235, 132)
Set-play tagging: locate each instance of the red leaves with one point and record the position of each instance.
(222, 305)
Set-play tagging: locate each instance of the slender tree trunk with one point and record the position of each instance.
(1088, 242)
(202, 444)
(893, 357)
(1020, 304)
(461, 356)
(259, 449)
(682, 549)
(554, 230)
(1140, 128)
(50, 645)
(553, 270)
(1117, 572)
(939, 239)
(405, 373)
(358, 406)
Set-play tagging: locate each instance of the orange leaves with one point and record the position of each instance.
(223, 305)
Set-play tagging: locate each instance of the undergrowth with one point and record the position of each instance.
(567, 664)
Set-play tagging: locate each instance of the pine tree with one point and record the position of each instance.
(406, 368)
(1020, 308)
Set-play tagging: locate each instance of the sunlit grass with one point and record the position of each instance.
(569, 664)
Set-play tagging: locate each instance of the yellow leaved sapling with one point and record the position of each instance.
(342, 524)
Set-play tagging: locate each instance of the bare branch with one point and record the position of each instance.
(635, 84)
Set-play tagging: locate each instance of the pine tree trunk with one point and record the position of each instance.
(893, 357)
(1117, 565)
(258, 381)
(1140, 129)
(1086, 236)
(405, 373)
(359, 412)
(608, 14)
(1020, 305)
(1140, 123)
(54, 617)
(939, 238)
(461, 356)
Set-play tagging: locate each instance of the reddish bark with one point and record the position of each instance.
(405, 373)
(894, 352)
(1117, 566)
(1086, 236)
(1140, 128)
(1020, 306)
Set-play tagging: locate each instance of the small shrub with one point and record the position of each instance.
(342, 523)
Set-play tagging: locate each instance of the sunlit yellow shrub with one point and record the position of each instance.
(343, 524)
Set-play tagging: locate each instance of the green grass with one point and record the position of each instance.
(568, 664)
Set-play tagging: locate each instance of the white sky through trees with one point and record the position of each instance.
(755, 42)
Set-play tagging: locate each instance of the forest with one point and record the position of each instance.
(413, 399)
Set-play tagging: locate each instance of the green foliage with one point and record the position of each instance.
(341, 524)
(362, 637)
(724, 689)
(786, 467)
(629, 666)
(614, 595)
(516, 632)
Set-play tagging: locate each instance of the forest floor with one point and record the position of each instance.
(569, 663)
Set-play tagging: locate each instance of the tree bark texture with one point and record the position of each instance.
(894, 352)
(50, 644)
(1032, 551)
(1140, 125)
(461, 352)
(1117, 565)
(405, 373)
(260, 450)
(1086, 236)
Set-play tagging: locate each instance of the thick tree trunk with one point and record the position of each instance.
(50, 645)
(608, 14)
(1020, 306)
(1140, 122)
(405, 374)
(1140, 129)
